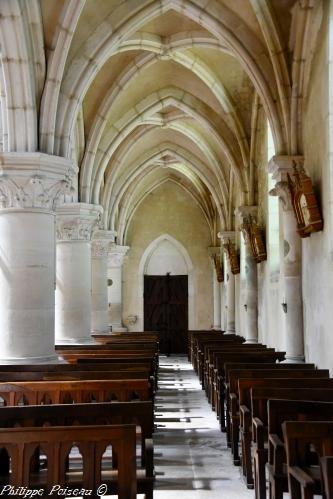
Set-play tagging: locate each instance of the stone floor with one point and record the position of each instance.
(192, 460)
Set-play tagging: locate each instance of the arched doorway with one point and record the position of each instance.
(167, 283)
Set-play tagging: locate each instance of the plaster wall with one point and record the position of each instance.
(317, 254)
(169, 210)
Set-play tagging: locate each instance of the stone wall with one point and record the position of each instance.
(170, 210)
(317, 250)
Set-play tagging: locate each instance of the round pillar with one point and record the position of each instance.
(31, 185)
(75, 223)
(99, 316)
(251, 297)
(116, 258)
(280, 167)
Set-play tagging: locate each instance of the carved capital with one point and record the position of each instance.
(35, 180)
(116, 255)
(101, 242)
(226, 236)
(77, 221)
(280, 166)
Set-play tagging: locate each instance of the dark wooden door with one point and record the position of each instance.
(166, 310)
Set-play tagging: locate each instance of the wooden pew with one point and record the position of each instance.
(244, 393)
(201, 341)
(217, 344)
(304, 441)
(326, 466)
(266, 357)
(57, 441)
(8, 377)
(229, 366)
(68, 392)
(233, 421)
(236, 422)
(198, 339)
(211, 382)
(138, 413)
(268, 426)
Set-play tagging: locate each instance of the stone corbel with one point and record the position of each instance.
(280, 167)
(228, 243)
(217, 261)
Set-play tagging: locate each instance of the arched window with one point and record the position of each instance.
(273, 232)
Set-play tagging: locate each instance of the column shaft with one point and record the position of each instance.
(217, 302)
(101, 242)
(31, 185)
(99, 315)
(116, 257)
(73, 293)
(231, 326)
(251, 297)
(27, 286)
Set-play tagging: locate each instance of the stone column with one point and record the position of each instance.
(75, 223)
(225, 237)
(292, 305)
(99, 293)
(31, 186)
(246, 215)
(214, 253)
(222, 295)
(116, 258)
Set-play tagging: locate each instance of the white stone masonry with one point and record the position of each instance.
(292, 305)
(116, 256)
(100, 246)
(75, 224)
(31, 187)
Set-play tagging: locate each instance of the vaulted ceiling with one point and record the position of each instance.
(141, 92)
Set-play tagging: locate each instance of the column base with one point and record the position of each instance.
(104, 332)
(52, 359)
(230, 332)
(75, 341)
(250, 342)
(294, 360)
(216, 328)
(115, 328)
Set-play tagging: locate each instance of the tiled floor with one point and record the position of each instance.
(191, 456)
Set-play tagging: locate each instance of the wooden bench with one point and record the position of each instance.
(201, 341)
(306, 442)
(210, 381)
(233, 420)
(8, 377)
(57, 442)
(220, 360)
(138, 413)
(198, 340)
(245, 424)
(326, 465)
(69, 392)
(269, 427)
(223, 398)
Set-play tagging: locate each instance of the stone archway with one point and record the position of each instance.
(183, 265)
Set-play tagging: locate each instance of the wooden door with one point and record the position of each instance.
(166, 310)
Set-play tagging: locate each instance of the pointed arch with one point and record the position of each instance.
(190, 272)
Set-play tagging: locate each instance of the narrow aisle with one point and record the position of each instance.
(191, 456)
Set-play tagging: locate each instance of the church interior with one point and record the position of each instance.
(166, 248)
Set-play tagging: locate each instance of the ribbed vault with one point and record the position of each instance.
(143, 92)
